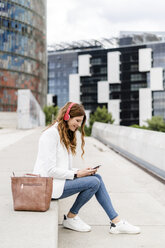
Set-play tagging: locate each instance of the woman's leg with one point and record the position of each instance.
(104, 199)
(87, 186)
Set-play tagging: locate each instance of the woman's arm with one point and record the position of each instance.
(48, 155)
(86, 172)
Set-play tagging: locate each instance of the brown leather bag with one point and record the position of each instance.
(31, 192)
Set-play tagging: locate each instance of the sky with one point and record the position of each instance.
(74, 20)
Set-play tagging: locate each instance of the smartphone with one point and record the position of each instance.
(96, 167)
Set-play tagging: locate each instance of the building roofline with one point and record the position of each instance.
(102, 48)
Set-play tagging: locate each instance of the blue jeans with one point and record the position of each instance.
(87, 187)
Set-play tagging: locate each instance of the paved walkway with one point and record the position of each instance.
(137, 197)
(19, 229)
(10, 136)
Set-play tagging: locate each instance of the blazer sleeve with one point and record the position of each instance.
(48, 153)
(70, 164)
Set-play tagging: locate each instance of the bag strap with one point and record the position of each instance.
(29, 175)
(32, 175)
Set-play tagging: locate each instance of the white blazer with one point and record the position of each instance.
(53, 160)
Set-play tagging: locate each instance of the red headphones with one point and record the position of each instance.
(67, 116)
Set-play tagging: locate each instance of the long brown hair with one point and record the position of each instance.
(68, 137)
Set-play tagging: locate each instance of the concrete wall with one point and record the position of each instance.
(114, 109)
(84, 65)
(145, 147)
(8, 119)
(145, 105)
(50, 99)
(113, 67)
(30, 114)
(145, 59)
(74, 88)
(156, 78)
(102, 92)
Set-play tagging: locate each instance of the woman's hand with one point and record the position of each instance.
(86, 172)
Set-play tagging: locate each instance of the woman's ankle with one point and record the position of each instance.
(116, 220)
(71, 215)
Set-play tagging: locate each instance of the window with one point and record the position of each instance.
(137, 77)
(51, 65)
(58, 82)
(74, 63)
(96, 61)
(74, 70)
(103, 70)
(134, 57)
(135, 96)
(134, 106)
(115, 87)
(58, 74)
(137, 86)
(115, 96)
(134, 68)
(51, 74)
(58, 65)
(51, 83)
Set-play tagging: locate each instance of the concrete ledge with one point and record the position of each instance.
(8, 119)
(145, 147)
(29, 229)
(23, 229)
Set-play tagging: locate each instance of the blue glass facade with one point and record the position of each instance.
(22, 51)
(60, 66)
(158, 103)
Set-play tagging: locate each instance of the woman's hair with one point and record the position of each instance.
(68, 137)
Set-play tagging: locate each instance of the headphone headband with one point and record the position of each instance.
(67, 116)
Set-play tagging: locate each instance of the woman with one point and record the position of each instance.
(57, 144)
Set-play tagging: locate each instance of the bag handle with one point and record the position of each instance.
(32, 175)
(29, 174)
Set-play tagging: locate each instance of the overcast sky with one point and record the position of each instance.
(72, 20)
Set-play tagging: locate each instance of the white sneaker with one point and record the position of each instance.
(123, 227)
(76, 224)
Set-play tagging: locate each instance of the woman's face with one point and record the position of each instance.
(75, 122)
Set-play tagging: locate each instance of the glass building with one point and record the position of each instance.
(124, 91)
(60, 66)
(128, 78)
(117, 71)
(22, 51)
(62, 62)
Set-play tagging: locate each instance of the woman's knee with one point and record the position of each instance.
(98, 176)
(95, 182)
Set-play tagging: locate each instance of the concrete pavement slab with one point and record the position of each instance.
(137, 197)
(23, 229)
(100, 237)
(11, 136)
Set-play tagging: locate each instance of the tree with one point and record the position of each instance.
(100, 115)
(156, 123)
(50, 113)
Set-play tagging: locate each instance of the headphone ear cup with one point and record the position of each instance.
(66, 117)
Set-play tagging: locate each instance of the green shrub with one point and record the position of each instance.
(156, 123)
(50, 113)
(100, 115)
